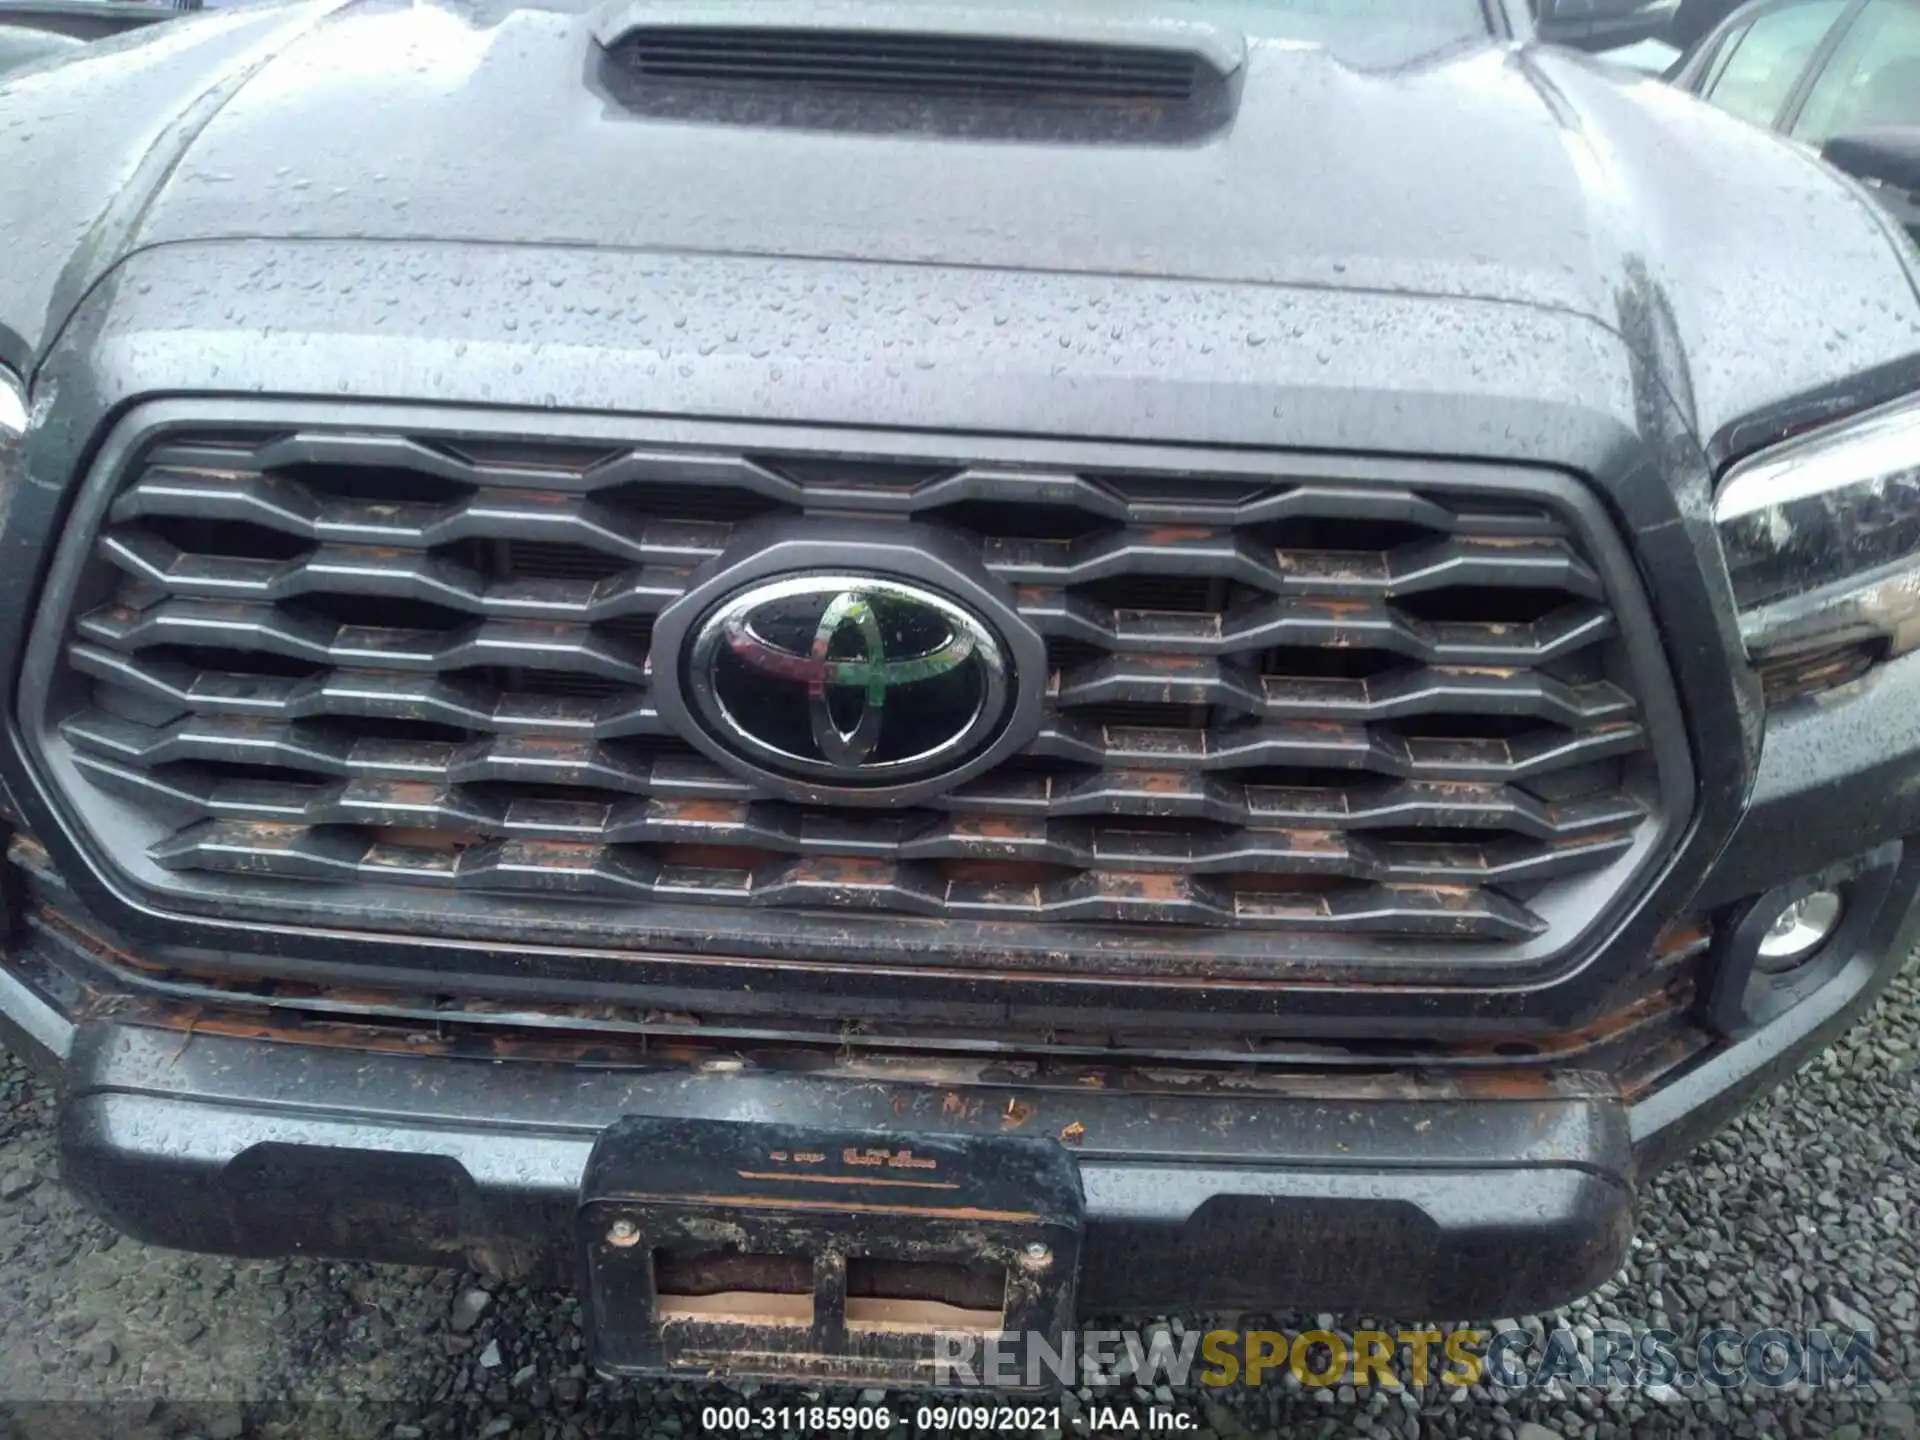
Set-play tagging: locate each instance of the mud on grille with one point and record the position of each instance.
(1298, 701)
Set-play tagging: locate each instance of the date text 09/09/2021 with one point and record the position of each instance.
(1720, 1358)
(924, 1418)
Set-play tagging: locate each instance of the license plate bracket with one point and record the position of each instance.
(787, 1252)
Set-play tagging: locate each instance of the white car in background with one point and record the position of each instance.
(1838, 76)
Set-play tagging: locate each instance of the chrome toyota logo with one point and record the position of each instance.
(849, 679)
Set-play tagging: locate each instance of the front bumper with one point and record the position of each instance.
(1487, 1192)
(1409, 1206)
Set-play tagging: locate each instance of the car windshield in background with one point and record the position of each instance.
(1363, 32)
(1456, 17)
(1757, 71)
(1873, 80)
(1465, 15)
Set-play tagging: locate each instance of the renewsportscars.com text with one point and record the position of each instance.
(1515, 1359)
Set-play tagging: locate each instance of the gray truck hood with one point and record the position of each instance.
(1736, 270)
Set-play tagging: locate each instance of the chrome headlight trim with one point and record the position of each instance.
(1821, 535)
(13, 405)
(13, 432)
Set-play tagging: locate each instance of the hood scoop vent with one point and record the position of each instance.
(847, 61)
(923, 65)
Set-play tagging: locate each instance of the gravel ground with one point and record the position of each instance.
(1802, 1213)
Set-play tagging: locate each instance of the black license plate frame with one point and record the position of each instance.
(671, 1208)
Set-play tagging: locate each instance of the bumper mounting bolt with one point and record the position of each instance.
(623, 1234)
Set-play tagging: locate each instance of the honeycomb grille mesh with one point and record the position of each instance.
(1297, 705)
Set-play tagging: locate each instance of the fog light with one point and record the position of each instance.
(1799, 930)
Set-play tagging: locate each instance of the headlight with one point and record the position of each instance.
(1822, 537)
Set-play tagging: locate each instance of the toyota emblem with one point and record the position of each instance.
(850, 679)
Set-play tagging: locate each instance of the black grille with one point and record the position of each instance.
(1291, 704)
(914, 65)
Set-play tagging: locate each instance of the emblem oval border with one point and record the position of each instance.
(912, 556)
(710, 706)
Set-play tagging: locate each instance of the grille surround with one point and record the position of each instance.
(1080, 943)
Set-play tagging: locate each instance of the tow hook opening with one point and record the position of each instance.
(732, 1287)
(922, 1295)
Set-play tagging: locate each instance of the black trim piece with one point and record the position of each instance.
(1799, 413)
(489, 1021)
